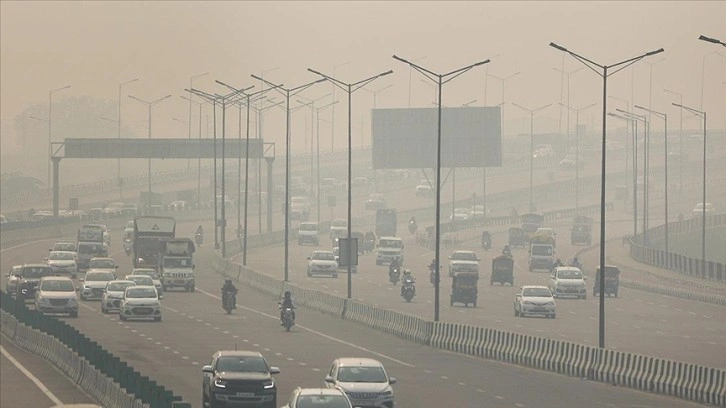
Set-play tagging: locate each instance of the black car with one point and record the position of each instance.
(239, 379)
(28, 278)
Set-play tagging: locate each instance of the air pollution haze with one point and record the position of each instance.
(95, 46)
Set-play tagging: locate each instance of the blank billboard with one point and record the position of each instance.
(406, 138)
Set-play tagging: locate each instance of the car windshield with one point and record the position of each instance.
(464, 256)
(65, 247)
(324, 256)
(150, 273)
(536, 292)
(362, 374)
(390, 243)
(36, 272)
(178, 262)
(140, 293)
(57, 286)
(322, 401)
(569, 274)
(118, 286)
(242, 364)
(542, 250)
(141, 280)
(101, 263)
(89, 249)
(61, 256)
(308, 227)
(99, 276)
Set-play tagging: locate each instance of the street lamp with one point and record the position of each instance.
(703, 71)
(634, 141)
(665, 182)
(350, 88)
(566, 105)
(316, 111)
(332, 125)
(190, 99)
(604, 74)
(440, 80)
(577, 147)
(634, 123)
(703, 213)
(646, 167)
(504, 80)
(711, 40)
(149, 106)
(287, 93)
(50, 121)
(199, 160)
(680, 139)
(118, 161)
(410, 70)
(531, 146)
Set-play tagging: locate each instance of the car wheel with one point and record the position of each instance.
(121, 316)
(157, 319)
(103, 310)
(516, 312)
(192, 288)
(552, 316)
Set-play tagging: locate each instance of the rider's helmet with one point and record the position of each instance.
(228, 281)
(559, 261)
(287, 294)
(575, 261)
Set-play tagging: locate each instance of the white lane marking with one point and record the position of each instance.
(173, 310)
(277, 318)
(32, 378)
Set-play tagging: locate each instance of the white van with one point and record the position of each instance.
(307, 232)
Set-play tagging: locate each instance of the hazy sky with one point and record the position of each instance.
(94, 46)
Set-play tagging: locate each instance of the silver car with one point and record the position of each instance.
(112, 295)
(94, 282)
(363, 380)
(62, 262)
(140, 302)
(56, 294)
(534, 300)
(155, 278)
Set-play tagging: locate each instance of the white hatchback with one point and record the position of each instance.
(140, 302)
(534, 300)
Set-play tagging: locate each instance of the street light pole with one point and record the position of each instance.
(646, 167)
(665, 183)
(634, 141)
(50, 120)
(577, 145)
(604, 75)
(332, 124)
(149, 105)
(680, 139)
(634, 123)
(199, 160)
(350, 88)
(567, 105)
(287, 93)
(531, 148)
(190, 99)
(118, 161)
(440, 80)
(703, 212)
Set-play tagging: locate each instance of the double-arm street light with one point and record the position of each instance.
(287, 93)
(531, 147)
(349, 88)
(566, 74)
(665, 155)
(118, 161)
(50, 121)
(316, 110)
(439, 80)
(577, 145)
(604, 75)
(680, 139)
(332, 123)
(703, 209)
(646, 166)
(190, 99)
(199, 160)
(633, 139)
(149, 105)
(634, 123)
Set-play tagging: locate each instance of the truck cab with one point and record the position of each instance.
(389, 248)
(175, 264)
(541, 257)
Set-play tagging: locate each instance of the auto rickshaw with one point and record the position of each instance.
(486, 240)
(517, 237)
(502, 270)
(464, 288)
(612, 281)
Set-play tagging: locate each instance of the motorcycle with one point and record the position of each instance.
(394, 275)
(486, 241)
(198, 239)
(287, 319)
(412, 226)
(369, 244)
(128, 247)
(228, 301)
(408, 290)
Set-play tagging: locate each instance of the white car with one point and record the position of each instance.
(66, 246)
(534, 300)
(56, 294)
(322, 263)
(478, 211)
(424, 190)
(460, 214)
(338, 226)
(102, 264)
(62, 262)
(568, 281)
(112, 295)
(94, 282)
(698, 209)
(140, 280)
(463, 261)
(140, 302)
(155, 278)
(318, 398)
(363, 380)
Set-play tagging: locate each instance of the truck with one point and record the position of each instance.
(386, 219)
(581, 231)
(149, 233)
(91, 243)
(175, 264)
(541, 256)
(389, 248)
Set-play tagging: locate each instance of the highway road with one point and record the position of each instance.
(194, 326)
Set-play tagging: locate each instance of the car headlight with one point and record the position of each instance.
(387, 393)
(73, 300)
(550, 303)
(220, 383)
(269, 384)
(86, 287)
(42, 300)
(527, 302)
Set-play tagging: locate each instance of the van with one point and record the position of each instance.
(308, 233)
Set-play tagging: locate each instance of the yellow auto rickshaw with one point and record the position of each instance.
(464, 288)
(502, 270)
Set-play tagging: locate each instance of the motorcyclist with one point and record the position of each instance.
(557, 263)
(506, 251)
(393, 266)
(408, 280)
(200, 230)
(576, 263)
(229, 288)
(286, 302)
(412, 221)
